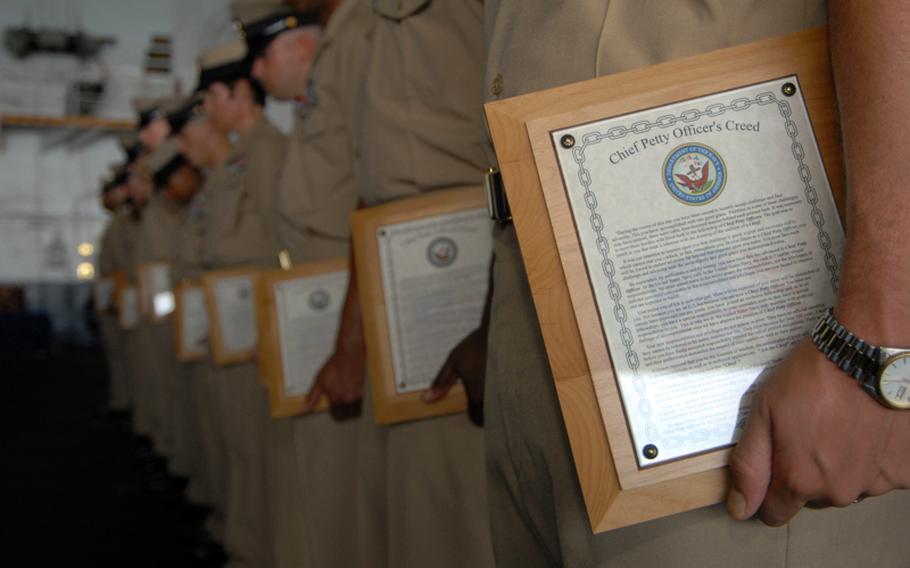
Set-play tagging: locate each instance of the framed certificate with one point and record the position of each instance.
(298, 311)
(128, 307)
(191, 322)
(156, 295)
(103, 292)
(120, 280)
(692, 225)
(230, 298)
(423, 270)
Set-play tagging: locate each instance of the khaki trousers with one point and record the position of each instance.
(188, 440)
(114, 341)
(536, 509)
(372, 503)
(145, 415)
(289, 538)
(327, 454)
(210, 421)
(166, 392)
(132, 360)
(245, 417)
(437, 494)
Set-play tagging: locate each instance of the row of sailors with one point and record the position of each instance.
(389, 100)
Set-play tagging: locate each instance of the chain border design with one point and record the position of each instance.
(620, 312)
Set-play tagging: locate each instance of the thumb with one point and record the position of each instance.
(750, 466)
(444, 382)
(312, 398)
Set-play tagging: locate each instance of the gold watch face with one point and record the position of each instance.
(894, 381)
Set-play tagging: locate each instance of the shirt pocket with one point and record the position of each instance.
(399, 9)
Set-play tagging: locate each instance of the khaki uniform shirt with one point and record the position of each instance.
(108, 243)
(123, 243)
(241, 202)
(158, 230)
(421, 128)
(317, 190)
(187, 259)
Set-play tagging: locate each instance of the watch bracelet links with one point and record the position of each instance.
(850, 353)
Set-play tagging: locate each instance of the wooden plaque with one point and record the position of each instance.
(128, 307)
(156, 295)
(121, 280)
(191, 322)
(103, 292)
(230, 295)
(297, 312)
(455, 258)
(618, 490)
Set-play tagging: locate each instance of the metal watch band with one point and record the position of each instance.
(850, 353)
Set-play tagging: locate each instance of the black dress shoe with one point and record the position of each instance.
(192, 514)
(209, 553)
(166, 486)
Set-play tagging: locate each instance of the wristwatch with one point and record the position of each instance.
(884, 372)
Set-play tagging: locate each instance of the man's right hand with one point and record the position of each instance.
(468, 363)
(341, 381)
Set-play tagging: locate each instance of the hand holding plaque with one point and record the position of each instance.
(298, 314)
(422, 265)
(698, 241)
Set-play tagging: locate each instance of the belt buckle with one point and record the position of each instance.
(497, 203)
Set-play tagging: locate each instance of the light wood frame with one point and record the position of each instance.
(96, 294)
(271, 368)
(616, 492)
(389, 406)
(221, 355)
(143, 282)
(185, 355)
(121, 279)
(121, 314)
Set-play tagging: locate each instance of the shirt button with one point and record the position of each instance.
(496, 85)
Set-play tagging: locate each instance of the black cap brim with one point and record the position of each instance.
(225, 73)
(261, 33)
(178, 119)
(163, 176)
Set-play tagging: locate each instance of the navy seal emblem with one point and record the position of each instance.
(694, 174)
(442, 252)
(318, 300)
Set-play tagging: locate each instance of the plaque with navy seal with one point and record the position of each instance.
(191, 322)
(694, 219)
(425, 265)
(156, 295)
(298, 311)
(128, 307)
(103, 294)
(231, 302)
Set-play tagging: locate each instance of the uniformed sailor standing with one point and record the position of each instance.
(155, 243)
(317, 58)
(536, 509)
(145, 419)
(240, 231)
(180, 183)
(418, 132)
(110, 260)
(206, 149)
(154, 127)
(123, 260)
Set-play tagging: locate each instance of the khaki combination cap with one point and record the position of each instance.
(224, 63)
(164, 161)
(150, 109)
(261, 22)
